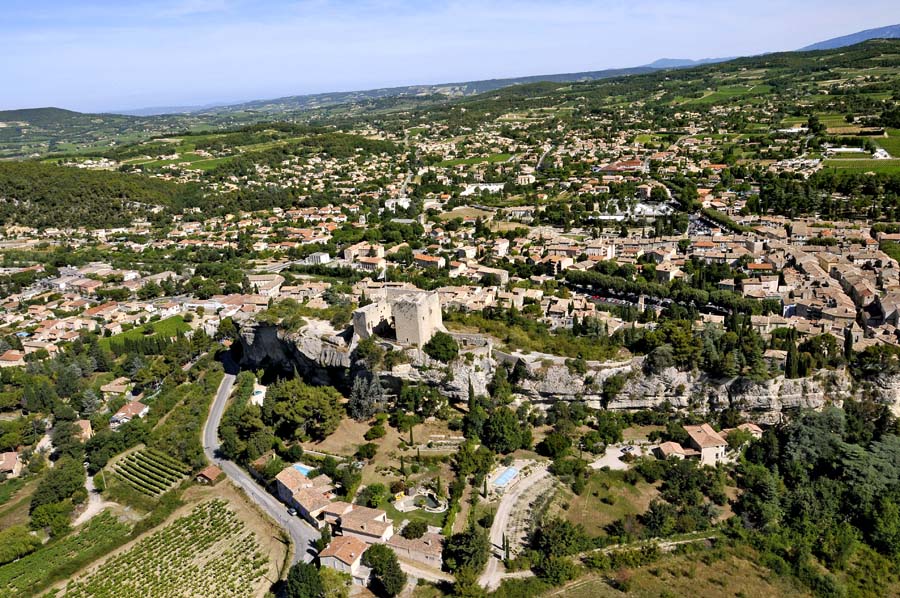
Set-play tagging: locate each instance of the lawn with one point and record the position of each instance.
(433, 519)
(593, 509)
(169, 327)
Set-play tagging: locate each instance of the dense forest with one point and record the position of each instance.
(46, 195)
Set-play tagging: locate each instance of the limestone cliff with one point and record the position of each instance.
(323, 359)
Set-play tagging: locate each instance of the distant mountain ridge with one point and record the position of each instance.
(888, 32)
(458, 89)
(676, 63)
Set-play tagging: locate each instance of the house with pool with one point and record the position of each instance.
(308, 496)
(504, 478)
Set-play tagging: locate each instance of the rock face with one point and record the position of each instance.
(319, 360)
(548, 379)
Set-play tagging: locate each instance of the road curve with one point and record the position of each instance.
(302, 534)
(493, 573)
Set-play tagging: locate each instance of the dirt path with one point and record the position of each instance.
(95, 503)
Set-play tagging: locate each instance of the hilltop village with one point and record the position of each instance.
(557, 334)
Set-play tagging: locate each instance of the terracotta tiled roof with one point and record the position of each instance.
(346, 549)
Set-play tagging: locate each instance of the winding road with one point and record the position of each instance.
(494, 572)
(302, 534)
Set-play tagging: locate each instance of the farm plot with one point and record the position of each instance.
(59, 558)
(150, 472)
(208, 552)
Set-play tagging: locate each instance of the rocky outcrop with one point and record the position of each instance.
(319, 359)
(323, 359)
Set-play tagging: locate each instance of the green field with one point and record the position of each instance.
(877, 166)
(608, 498)
(476, 160)
(726, 92)
(10, 487)
(891, 143)
(169, 327)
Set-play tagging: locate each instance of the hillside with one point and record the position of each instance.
(889, 32)
(46, 195)
(39, 132)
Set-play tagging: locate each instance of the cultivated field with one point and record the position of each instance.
(59, 558)
(877, 166)
(150, 472)
(209, 552)
(891, 143)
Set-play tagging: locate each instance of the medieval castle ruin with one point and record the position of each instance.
(412, 315)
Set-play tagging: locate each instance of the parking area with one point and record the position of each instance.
(614, 453)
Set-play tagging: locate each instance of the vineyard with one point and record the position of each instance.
(150, 472)
(60, 558)
(209, 552)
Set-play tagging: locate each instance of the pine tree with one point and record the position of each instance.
(360, 406)
(375, 393)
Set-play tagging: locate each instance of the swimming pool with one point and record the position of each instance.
(504, 478)
(304, 469)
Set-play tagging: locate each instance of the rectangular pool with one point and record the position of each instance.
(304, 469)
(504, 478)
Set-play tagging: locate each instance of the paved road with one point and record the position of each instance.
(302, 534)
(493, 573)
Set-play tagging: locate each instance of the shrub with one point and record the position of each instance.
(442, 347)
(366, 451)
(375, 432)
(414, 529)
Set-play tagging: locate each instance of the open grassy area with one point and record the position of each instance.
(465, 213)
(719, 572)
(891, 143)
(639, 432)
(10, 487)
(169, 327)
(607, 498)
(726, 92)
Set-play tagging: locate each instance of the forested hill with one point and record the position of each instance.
(39, 116)
(46, 195)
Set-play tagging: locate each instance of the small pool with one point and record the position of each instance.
(304, 469)
(426, 500)
(504, 478)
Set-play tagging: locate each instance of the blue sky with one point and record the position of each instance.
(102, 55)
